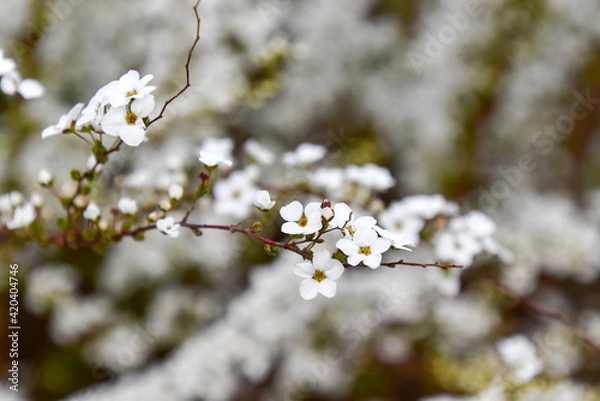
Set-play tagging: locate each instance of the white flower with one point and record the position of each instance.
(127, 206)
(44, 177)
(429, 206)
(6, 64)
(454, 247)
(175, 191)
(518, 353)
(64, 123)
(365, 246)
(168, 226)
(342, 214)
(11, 82)
(216, 152)
(23, 216)
(262, 200)
(94, 111)
(370, 176)
(30, 88)
(398, 240)
(319, 275)
(306, 153)
(400, 219)
(92, 212)
(128, 87)
(258, 152)
(301, 220)
(234, 195)
(126, 122)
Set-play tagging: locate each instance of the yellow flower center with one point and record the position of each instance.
(365, 250)
(303, 221)
(132, 92)
(319, 275)
(131, 118)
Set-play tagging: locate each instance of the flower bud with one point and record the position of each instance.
(44, 178)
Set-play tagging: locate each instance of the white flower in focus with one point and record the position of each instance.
(92, 212)
(518, 353)
(126, 122)
(262, 200)
(234, 195)
(319, 275)
(22, 217)
(370, 176)
(94, 111)
(64, 123)
(168, 226)
(128, 87)
(301, 220)
(44, 177)
(342, 215)
(365, 246)
(175, 191)
(127, 206)
(306, 153)
(216, 152)
(261, 154)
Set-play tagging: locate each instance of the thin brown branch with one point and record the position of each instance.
(540, 310)
(187, 68)
(444, 266)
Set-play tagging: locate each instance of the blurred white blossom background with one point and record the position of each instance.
(493, 104)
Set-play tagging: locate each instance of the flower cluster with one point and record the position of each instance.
(11, 81)
(120, 109)
(15, 212)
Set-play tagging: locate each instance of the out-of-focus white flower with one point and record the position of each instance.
(126, 122)
(22, 217)
(518, 353)
(398, 240)
(168, 226)
(262, 200)
(6, 64)
(319, 275)
(44, 177)
(12, 82)
(305, 154)
(370, 176)
(216, 151)
(459, 248)
(129, 86)
(400, 219)
(64, 123)
(365, 246)
(301, 220)
(92, 212)
(261, 154)
(36, 200)
(234, 195)
(175, 191)
(127, 206)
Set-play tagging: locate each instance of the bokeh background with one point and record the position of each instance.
(494, 104)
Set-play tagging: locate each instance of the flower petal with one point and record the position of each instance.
(291, 211)
(347, 246)
(321, 259)
(364, 237)
(292, 228)
(373, 260)
(334, 270)
(304, 270)
(380, 245)
(309, 289)
(356, 259)
(328, 288)
(132, 135)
